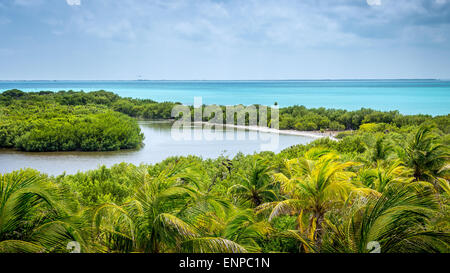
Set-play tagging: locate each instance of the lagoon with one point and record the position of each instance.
(159, 144)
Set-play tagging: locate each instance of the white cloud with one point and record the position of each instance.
(299, 24)
(374, 2)
(73, 2)
(441, 1)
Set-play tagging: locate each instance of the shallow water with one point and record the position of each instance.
(159, 142)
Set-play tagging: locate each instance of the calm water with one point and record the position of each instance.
(407, 96)
(159, 145)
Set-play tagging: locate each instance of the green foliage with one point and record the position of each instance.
(398, 222)
(387, 182)
(142, 108)
(319, 200)
(43, 127)
(104, 185)
(256, 185)
(34, 215)
(426, 154)
(293, 117)
(301, 118)
(276, 242)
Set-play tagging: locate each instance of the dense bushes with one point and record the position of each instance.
(301, 118)
(140, 108)
(293, 117)
(51, 127)
(102, 185)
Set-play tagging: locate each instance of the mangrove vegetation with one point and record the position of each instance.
(372, 190)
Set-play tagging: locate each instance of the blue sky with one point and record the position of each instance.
(224, 39)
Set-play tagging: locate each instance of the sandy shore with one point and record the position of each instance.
(312, 134)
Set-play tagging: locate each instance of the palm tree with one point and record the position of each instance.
(381, 149)
(234, 225)
(313, 184)
(256, 186)
(397, 222)
(157, 218)
(425, 155)
(385, 175)
(32, 215)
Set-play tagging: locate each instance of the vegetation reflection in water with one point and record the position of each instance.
(158, 145)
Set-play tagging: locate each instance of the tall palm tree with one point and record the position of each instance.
(398, 222)
(313, 184)
(256, 186)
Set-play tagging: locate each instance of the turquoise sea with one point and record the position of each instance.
(407, 96)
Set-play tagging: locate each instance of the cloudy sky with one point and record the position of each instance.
(224, 39)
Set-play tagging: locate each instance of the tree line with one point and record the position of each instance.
(292, 117)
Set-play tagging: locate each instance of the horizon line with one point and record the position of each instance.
(235, 80)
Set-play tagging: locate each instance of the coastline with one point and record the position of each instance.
(312, 134)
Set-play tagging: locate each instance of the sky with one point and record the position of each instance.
(224, 39)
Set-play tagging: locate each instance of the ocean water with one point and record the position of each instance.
(408, 96)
